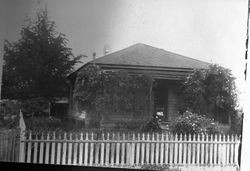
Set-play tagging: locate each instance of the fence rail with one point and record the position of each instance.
(120, 149)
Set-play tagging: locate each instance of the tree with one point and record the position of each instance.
(211, 92)
(37, 64)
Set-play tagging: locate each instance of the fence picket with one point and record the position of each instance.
(147, 149)
(143, 149)
(228, 148)
(132, 157)
(53, 149)
(123, 150)
(75, 150)
(128, 153)
(189, 149)
(180, 150)
(81, 150)
(185, 149)
(117, 161)
(207, 152)
(157, 149)
(224, 149)
(112, 151)
(202, 148)
(215, 149)
(91, 155)
(41, 150)
(35, 150)
(193, 154)
(152, 150)
(97, 153)
(86, 148)
(166, 148)
(47, 149)
(175, 149)
(69, 156)
(219, 150)
(64, 149)
(107, 150)
(171, 153)
(29, 149)
(198, 148)
(211, 151)
(102, 150)
(161, 149)
(232, 150)
(58, 155)
(138, 149)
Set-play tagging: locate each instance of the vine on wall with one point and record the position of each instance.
(106, 93)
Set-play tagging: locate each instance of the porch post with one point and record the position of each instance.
(151, 105)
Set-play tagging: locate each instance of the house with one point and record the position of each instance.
(167, 69)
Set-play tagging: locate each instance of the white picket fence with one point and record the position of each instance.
(184, 152)
(131, 149)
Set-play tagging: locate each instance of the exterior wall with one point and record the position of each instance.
(174, 102)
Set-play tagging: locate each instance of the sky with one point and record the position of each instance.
(212, 31)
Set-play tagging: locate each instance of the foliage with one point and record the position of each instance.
(237, 122)
(211, 92)
(101, 92)
(152, 126)
(191, 123)
(37, 64)
(9, 110)
(48, 124)
(35, 107)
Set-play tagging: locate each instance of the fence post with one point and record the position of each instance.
(22, 128)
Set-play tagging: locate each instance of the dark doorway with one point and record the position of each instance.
(161, 100)
(59, 110)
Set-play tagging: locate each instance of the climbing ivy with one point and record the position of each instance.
(103, 92)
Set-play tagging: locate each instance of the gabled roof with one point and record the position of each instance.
(149, 59)
(145, 55)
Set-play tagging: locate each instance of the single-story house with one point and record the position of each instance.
(167, 69)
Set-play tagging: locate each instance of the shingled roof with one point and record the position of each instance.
(145, 55)
(157, 62)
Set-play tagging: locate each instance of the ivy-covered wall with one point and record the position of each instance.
(112, 98)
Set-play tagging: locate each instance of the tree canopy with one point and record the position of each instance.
(211, 92)
(36, 65)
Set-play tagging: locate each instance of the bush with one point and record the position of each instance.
(152, 126)
(190, 123)
(9, 110)
(47, 124)
(35, 107)
(43, 124)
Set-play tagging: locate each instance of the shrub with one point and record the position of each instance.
(152, 126)
(44, 124)
(9, 110)
(191, 123)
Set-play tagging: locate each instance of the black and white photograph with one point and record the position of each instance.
(125, 84)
